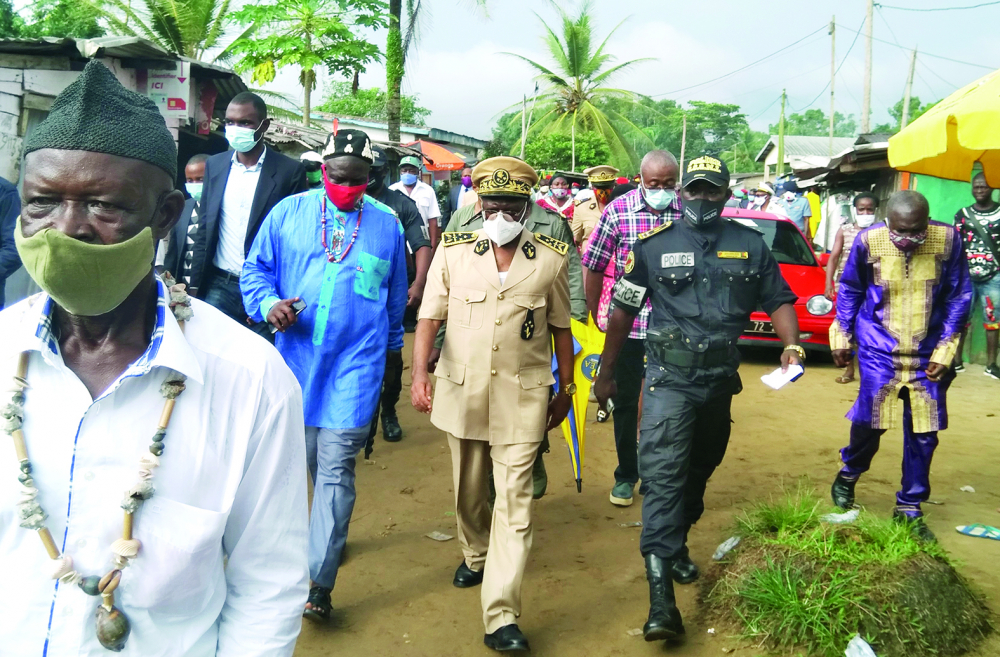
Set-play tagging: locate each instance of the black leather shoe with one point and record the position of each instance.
(917, 525)
(664, 620)
(391, 430)
(683, 570)
(507, 639)
(842, 492)
(466, 578)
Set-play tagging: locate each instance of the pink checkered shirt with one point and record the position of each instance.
(618, 229)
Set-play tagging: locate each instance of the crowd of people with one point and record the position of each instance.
(159, 310)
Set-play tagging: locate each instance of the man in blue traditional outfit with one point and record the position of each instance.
(904, 297)
(344, 255)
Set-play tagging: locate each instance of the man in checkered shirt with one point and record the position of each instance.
(654, 203)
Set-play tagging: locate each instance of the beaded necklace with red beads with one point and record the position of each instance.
(330, 254)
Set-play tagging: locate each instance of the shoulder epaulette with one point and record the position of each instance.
(380, 205)
(558, 246)
(452, 238)
(662, 227)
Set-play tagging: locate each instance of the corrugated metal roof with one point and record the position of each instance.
(797, 146)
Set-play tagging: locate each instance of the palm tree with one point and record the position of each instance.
(399, 43)
(187, 27)
(575, 87)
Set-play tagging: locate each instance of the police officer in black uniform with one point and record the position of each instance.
(705, 275)
(418, 261)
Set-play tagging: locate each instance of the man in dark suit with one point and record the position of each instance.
(10, 207)
(456, 195)
(179, 256)
(241, 187)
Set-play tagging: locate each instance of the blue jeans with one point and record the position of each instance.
(988, 290)
(331, 456)
(224, 294)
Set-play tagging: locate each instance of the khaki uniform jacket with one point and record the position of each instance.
(547, 223)
(495, 371)
(585, 218)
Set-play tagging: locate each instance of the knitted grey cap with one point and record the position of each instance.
(96, 113)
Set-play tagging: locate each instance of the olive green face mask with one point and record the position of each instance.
(85, 279)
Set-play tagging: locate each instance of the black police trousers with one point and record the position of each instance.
(628, 377)
(684, 434)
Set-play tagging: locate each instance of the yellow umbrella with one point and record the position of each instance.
(590, 343)
(961, 130)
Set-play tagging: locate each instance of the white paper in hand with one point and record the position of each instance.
(777, 379)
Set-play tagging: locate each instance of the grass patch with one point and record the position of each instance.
(798, 584)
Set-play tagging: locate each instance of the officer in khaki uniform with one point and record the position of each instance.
(589, 209)
(505, 295)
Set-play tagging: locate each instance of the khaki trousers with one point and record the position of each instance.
(500, 546)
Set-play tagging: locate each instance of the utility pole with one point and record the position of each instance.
(525, 128)
(833, 74)
(524, 117)
(866, 105)
(779, 169)
(684, 138)
(909, 88)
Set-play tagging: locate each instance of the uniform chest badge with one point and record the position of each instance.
(529, 250)
(668, 260)
(630, 262)
(733, 255)
(528, 328)
(482, 246)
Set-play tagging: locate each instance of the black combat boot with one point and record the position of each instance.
(391, 431)
(664, 618)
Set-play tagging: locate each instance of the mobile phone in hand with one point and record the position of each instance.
(297, 307)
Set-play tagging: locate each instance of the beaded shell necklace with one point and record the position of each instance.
(113, 626)
(331, 254)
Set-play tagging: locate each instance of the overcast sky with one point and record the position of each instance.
(459, 74)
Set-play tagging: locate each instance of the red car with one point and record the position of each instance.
(805, 274)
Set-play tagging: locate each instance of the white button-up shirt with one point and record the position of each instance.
(234, 217)
(232, 483)
(425, 198)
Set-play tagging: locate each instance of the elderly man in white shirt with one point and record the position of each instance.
(422, 194)
(152, 482)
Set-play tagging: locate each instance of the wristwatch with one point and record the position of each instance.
(569, 389)
(799, 351)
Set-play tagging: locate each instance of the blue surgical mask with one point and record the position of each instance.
(408, 179)
(194, 189)
(658, 199)
(241, 139)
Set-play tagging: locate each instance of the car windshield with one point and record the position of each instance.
(784, 240)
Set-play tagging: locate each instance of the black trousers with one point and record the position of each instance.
(392, 382)
(684, 435)
(628, 377)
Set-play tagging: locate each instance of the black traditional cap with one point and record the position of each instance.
(708, 168)
(379, 158)
(348, 142)
(96, 113)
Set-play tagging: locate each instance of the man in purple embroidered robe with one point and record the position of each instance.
(904, 297)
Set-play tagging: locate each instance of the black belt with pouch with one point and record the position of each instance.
(672, 348)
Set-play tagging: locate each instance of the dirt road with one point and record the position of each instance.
(585, 588)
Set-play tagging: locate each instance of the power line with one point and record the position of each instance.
(937, 75)
(926, 54)
(827, 86)
(764, 111)
(741, 69)
(982, 4)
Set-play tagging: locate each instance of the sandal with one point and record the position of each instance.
(979, 531)
(319, 598)
(844, 379)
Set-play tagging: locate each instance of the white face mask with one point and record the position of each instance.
(864, 220)
(789, 196)
(502, 228)
(759, 201)
(658, 199)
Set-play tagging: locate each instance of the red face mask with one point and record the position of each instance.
(343, 197)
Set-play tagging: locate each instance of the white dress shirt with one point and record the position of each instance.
(234, 218)
(232, 483)
(425, 198)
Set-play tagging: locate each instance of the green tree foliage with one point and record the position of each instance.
(371, 104)
(186, 27)
(896, 112)
(10, 23)
(555, 151)
(576, 84)
(63, 18)
(306, 34)
(741, 157)
(814, 123)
